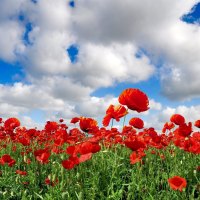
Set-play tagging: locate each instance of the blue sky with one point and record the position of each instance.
(77, 60)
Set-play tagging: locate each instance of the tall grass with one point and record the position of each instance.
(108, 175)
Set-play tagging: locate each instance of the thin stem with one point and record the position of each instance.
(111, 123)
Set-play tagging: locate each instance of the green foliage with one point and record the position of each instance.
(108, 175)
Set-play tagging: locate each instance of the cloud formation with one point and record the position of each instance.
(156, 27)
(109, 35)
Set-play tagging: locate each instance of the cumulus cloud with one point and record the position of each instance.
(109, 35)
(182, 81)
(11, 30)
(102, 66)
(115, 20)
(29, 96)
(191, 113)
(62, 88)
(157, 27)
(28, 122)
(50, 36)
(95, 106)
(8, 110)
(157, 120)
(154, 105)
(54, 96)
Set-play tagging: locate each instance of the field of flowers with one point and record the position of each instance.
(92, 162)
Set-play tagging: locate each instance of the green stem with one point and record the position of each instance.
(111, 123)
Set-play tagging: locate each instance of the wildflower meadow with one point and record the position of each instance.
(92, 162)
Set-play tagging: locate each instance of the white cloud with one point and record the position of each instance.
(11, 30)
(95, 106)
(50, 36)
(182, 80)
(191, 113)
(8, 110)
(10, 40)
(29, 96)
(116, 20)
(10, 8)
(109, 35)
(156, 27)
(154, 105)
(28, 122)
(157, 120)
(102, 66)
(166, 113)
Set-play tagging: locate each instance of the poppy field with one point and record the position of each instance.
(91, 162)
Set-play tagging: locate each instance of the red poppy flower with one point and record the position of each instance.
(61, 120)
(64, 126)
(67, 164)
(87, 124)
(47, 181)
(23, 173)
(135, 145)
(32, 132)
(71, 162)
(153, 152)
(7, 159)
(51, 126)
(196, 136)
(134, 99)
(168, 126)
(183, 130)
(197, 123)
(75, 120)
(71, 150)
(128, 129)
(11, 123)
(11, 163)
(24, 141)
(115, 112)
(89, 147)
(85, 157)
(134, 158)
(136, 122)
(177, 183)
(177, 119)
(42, 155)
(192, 146)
